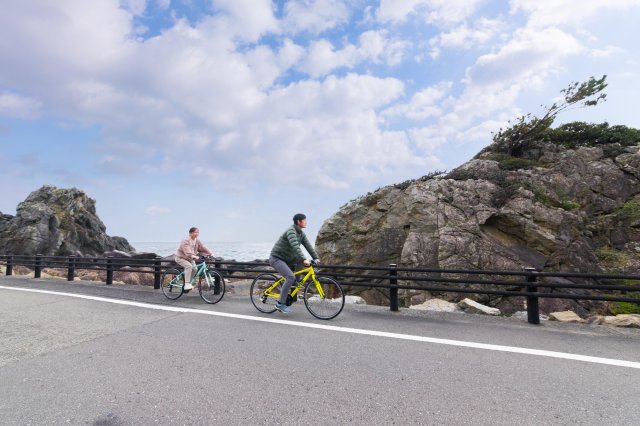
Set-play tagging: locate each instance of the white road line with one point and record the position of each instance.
(512, 349)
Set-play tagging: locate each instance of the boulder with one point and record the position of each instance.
(472, 307)
(524, 316)
(143, 255)
(437, 305)
(623, 320)
(565, 316)
(569, 210)
(117, 253)
(354, 300)
(59, 222)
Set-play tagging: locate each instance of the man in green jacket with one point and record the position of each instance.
(287, 251)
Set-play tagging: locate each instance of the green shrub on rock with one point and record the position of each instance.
(619, 308)
(630, 210)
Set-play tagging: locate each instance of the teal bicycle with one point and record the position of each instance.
(210, 282)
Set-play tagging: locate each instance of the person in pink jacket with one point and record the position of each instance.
(188, 251)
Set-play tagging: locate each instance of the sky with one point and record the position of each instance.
(233, 115)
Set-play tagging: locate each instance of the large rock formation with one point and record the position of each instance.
(52, 221)
(554, 209)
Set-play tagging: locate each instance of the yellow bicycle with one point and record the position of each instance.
(322, 296)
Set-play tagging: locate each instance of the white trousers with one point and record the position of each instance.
(189, 269)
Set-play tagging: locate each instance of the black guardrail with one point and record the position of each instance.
(527, 283)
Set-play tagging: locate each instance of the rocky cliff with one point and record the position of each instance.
(52, 221)
(553, 208)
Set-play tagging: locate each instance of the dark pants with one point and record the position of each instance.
(283, 269)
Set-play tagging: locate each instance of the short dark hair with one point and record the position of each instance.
(297, 217)
(192, 229)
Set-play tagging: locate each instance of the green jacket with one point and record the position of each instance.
(288, 248)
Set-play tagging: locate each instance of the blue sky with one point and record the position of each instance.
(232, 115)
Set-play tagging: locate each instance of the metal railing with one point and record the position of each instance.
(529, 283)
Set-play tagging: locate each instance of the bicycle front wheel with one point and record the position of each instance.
(211, 288)
(172, 283)
(260, 300)
(324, 300)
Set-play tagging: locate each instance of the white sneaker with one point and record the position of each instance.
(188, 287)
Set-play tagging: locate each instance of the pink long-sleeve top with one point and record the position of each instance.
(189, 248)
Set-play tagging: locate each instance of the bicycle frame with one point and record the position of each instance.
(308, 272)
(200, 269)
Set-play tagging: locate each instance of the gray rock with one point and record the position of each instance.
(565, 316)
(117, 253)
(354, 300)
(473, 307)
(437, 305)
(554, 217)
(623, 320)
(524, 316)
(52, 221)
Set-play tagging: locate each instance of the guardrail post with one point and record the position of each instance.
(216, 280)
(157, 272)
(109, 270)
(38, 266)
(71, 268)
(9, 270)
(393, 289)
(533, 308)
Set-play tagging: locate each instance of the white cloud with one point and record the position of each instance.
(379, 47)
(328, 131)
(441, 12)
(543, 13)
(137, 7)
(322, 58)
(398, 10)
(529, 56)
(423, 104)
(429, 138)
(156, 210)
(606, 52)
(314, 16)
(17, 106)
(464, 37)
(289, 54)
(163, 4)
(212, 99)
(246, 20)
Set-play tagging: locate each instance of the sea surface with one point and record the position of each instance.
(241, 252)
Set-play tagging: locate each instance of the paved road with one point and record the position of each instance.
(66, 360)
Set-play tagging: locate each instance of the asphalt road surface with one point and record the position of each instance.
(87, 353)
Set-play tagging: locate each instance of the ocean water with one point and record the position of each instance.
(242, 252)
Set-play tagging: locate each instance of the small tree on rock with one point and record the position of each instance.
(516, 138)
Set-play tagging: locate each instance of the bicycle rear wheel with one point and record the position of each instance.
(329, 304)
(211, 291)
(172, 283)
(261, 301)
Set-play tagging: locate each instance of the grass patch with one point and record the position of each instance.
(568, 205)
(542, 198)
(611, 255)
(509, 162)
(630, 210)
(619, 308)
